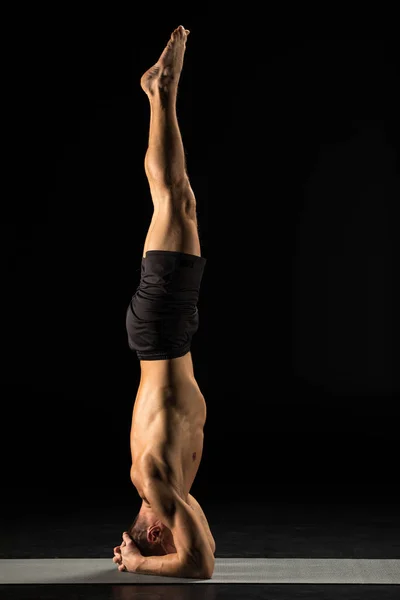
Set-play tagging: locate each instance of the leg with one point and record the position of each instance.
(174, 223)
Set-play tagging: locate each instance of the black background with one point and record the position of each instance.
(292, 146)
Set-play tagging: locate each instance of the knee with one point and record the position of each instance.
(189, 204)
(182, 196)
(177, 199)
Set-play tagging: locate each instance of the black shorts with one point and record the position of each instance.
(162, 315)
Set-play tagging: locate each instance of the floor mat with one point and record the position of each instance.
(227, 570)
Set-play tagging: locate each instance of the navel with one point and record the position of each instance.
(194, 456)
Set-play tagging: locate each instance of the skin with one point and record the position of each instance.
(170, 411)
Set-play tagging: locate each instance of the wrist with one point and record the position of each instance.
(137, 563)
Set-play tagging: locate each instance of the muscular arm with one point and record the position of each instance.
(196, 507)
(169, 565)
(193, 557)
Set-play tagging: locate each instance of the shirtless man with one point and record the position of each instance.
(170, 536)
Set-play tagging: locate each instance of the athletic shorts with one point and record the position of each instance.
(162, 316)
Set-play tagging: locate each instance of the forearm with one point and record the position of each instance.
(168, 565)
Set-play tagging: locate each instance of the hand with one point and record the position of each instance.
(127, 556)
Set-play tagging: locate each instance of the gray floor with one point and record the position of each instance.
(228, 570)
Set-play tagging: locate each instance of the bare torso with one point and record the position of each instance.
(167, 430)
(167, 424)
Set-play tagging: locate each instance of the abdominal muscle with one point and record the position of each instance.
(167, 424)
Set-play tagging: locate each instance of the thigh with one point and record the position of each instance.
(174, 231)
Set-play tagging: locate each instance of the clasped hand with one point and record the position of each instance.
(127, 556)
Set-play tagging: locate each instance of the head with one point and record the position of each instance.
(150, 535)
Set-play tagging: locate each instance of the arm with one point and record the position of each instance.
(194, 557)
(169, 565)
(196, 507)
(129, 558)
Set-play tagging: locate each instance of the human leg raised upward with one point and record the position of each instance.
(173, 225)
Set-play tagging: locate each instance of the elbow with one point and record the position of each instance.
(203, 573)
(204, 570)
(196, 573)
(207, 575)
(208, 570)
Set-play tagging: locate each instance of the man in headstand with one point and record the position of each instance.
(170, 536)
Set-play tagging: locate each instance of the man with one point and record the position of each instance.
(170, 536)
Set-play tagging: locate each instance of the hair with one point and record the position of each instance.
(138, 532)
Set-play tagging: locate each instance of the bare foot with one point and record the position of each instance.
(165, 74)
